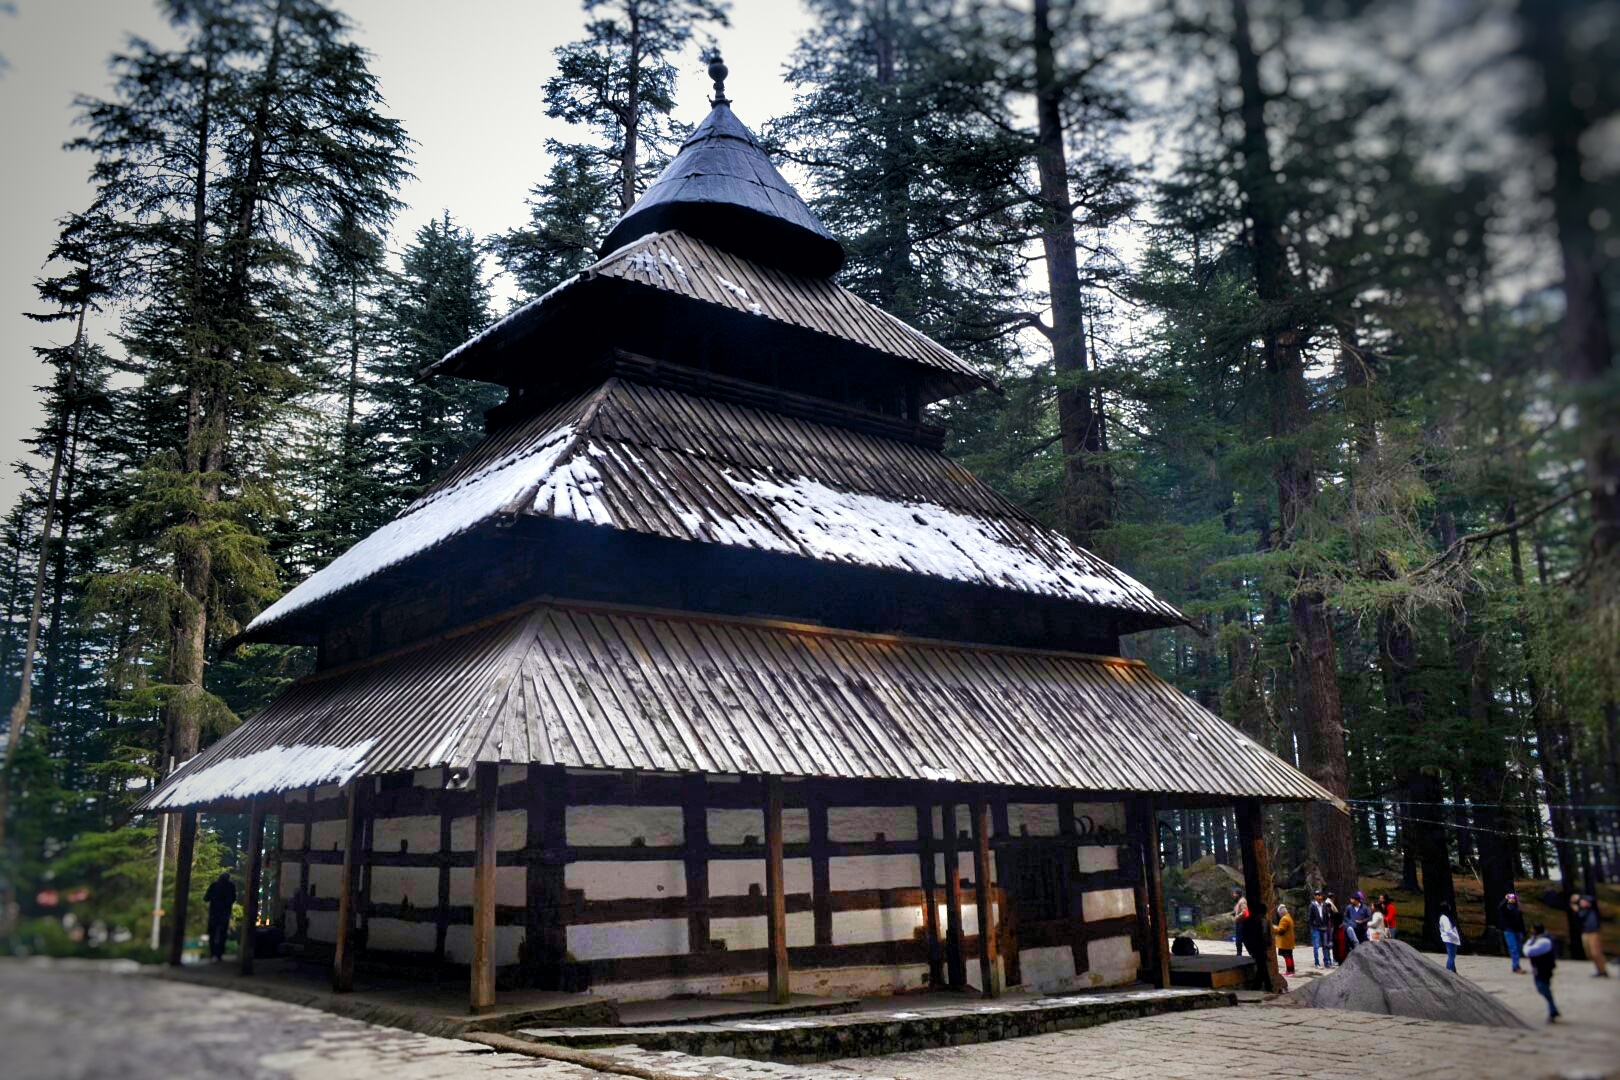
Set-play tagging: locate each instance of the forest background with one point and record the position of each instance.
(1302, 311)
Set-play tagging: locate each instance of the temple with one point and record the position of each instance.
(707, 670)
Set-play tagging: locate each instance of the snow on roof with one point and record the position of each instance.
(275, 768)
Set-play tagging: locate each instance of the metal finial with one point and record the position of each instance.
(718, 72)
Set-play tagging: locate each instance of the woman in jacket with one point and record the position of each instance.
(1282, 932)
(1450, 935)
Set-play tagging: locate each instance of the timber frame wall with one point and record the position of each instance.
(645, 885)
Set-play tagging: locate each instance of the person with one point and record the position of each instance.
(1319, 919)
(221, 897)
(1591, 926)
(1449, 934)
(1240, 915)
(1357, 918)
(1543, 955)
(1376, 930)
(1388, 907)
(1510, 918)
(1282, 932)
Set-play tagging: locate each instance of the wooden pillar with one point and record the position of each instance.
(348, 888)
(930, 887)
(775, 899)
(1158, 959)
(955, 959)
(488, 783)
(984, 897)
(255, 875)
(1257, 884)
(182, 886)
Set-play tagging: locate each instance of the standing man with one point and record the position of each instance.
(1357, 919)
(1240, 916)
(1591, 924)
(1319, 918)
(1543, 954)
(221, 898)
(1510, 917)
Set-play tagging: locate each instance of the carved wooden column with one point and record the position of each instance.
(1257, 885)
(182, 886)
(349, 887)
(255, 874)
(775, 899)
(984, 897)
(488, 783)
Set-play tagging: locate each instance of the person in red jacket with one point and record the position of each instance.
(1387, 905)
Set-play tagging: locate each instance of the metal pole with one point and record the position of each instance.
(157, 892)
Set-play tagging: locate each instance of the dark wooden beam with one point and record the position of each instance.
(1257, 885)
(775, 894)
(255, 875)
(955, 958)
(345, 947)
(984, 898)
(488, 784)
(1156, 958)
(695, 827)
(930, 897)
(182, 886)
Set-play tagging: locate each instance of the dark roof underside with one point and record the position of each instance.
(623, 689)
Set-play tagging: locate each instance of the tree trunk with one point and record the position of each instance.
(1086, 485)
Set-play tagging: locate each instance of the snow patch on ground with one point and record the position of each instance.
(430, 521)
(277, 768)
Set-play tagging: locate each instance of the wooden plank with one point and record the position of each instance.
(930, 897)
(695, 824)
(776, 917)
(487, 783)
(441, 913)
(820, 869)
(1158, 914)
(955, 958)
(1257, 884)
(255, 874)
(550, 872)
(989, 969)
(182, 886)
(343, 950)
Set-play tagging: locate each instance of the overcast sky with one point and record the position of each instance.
(463, 75)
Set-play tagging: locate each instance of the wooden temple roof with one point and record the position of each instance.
(615, 688)
(687, 267)
(659, 461)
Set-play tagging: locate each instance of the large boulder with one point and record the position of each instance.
(1392, 978)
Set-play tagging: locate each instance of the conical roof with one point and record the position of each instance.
(721, 187)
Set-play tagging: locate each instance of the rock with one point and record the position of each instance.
(1392, 978)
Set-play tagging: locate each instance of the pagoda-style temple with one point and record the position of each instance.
(707, 670)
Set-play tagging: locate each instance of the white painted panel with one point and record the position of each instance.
(874, 872)
(289, 879)
(458, 944)
(299, 795)
(327, 791)
(324, 879)
(862, 823)
(428, 778)
(396, 884)
(323, 926)
(327, 835)
(399, 935)
(513, 774)
(292, 836)
(420, 832)
(620, 826)
(1102, 815)
(1108, 904)
(511, 831)
(882, 924)
(645, 937)
(870, 981)
(723, 778)
(1050, 968)
(511, 884)
(732, 877)
(751, 932)
(1093, 859)
(627, 880)
(1032, 819)
(1112, 961)
(736, 826)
